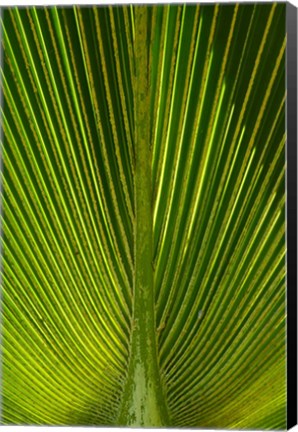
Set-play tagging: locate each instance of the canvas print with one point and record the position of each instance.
(143, 225)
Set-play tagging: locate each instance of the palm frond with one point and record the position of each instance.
(144, 215)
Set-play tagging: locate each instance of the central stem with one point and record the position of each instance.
(143, 403)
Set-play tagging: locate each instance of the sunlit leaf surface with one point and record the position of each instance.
(216, 136)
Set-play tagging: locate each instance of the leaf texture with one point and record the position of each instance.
(216, 116)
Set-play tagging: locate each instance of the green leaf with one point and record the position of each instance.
(144, 216)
